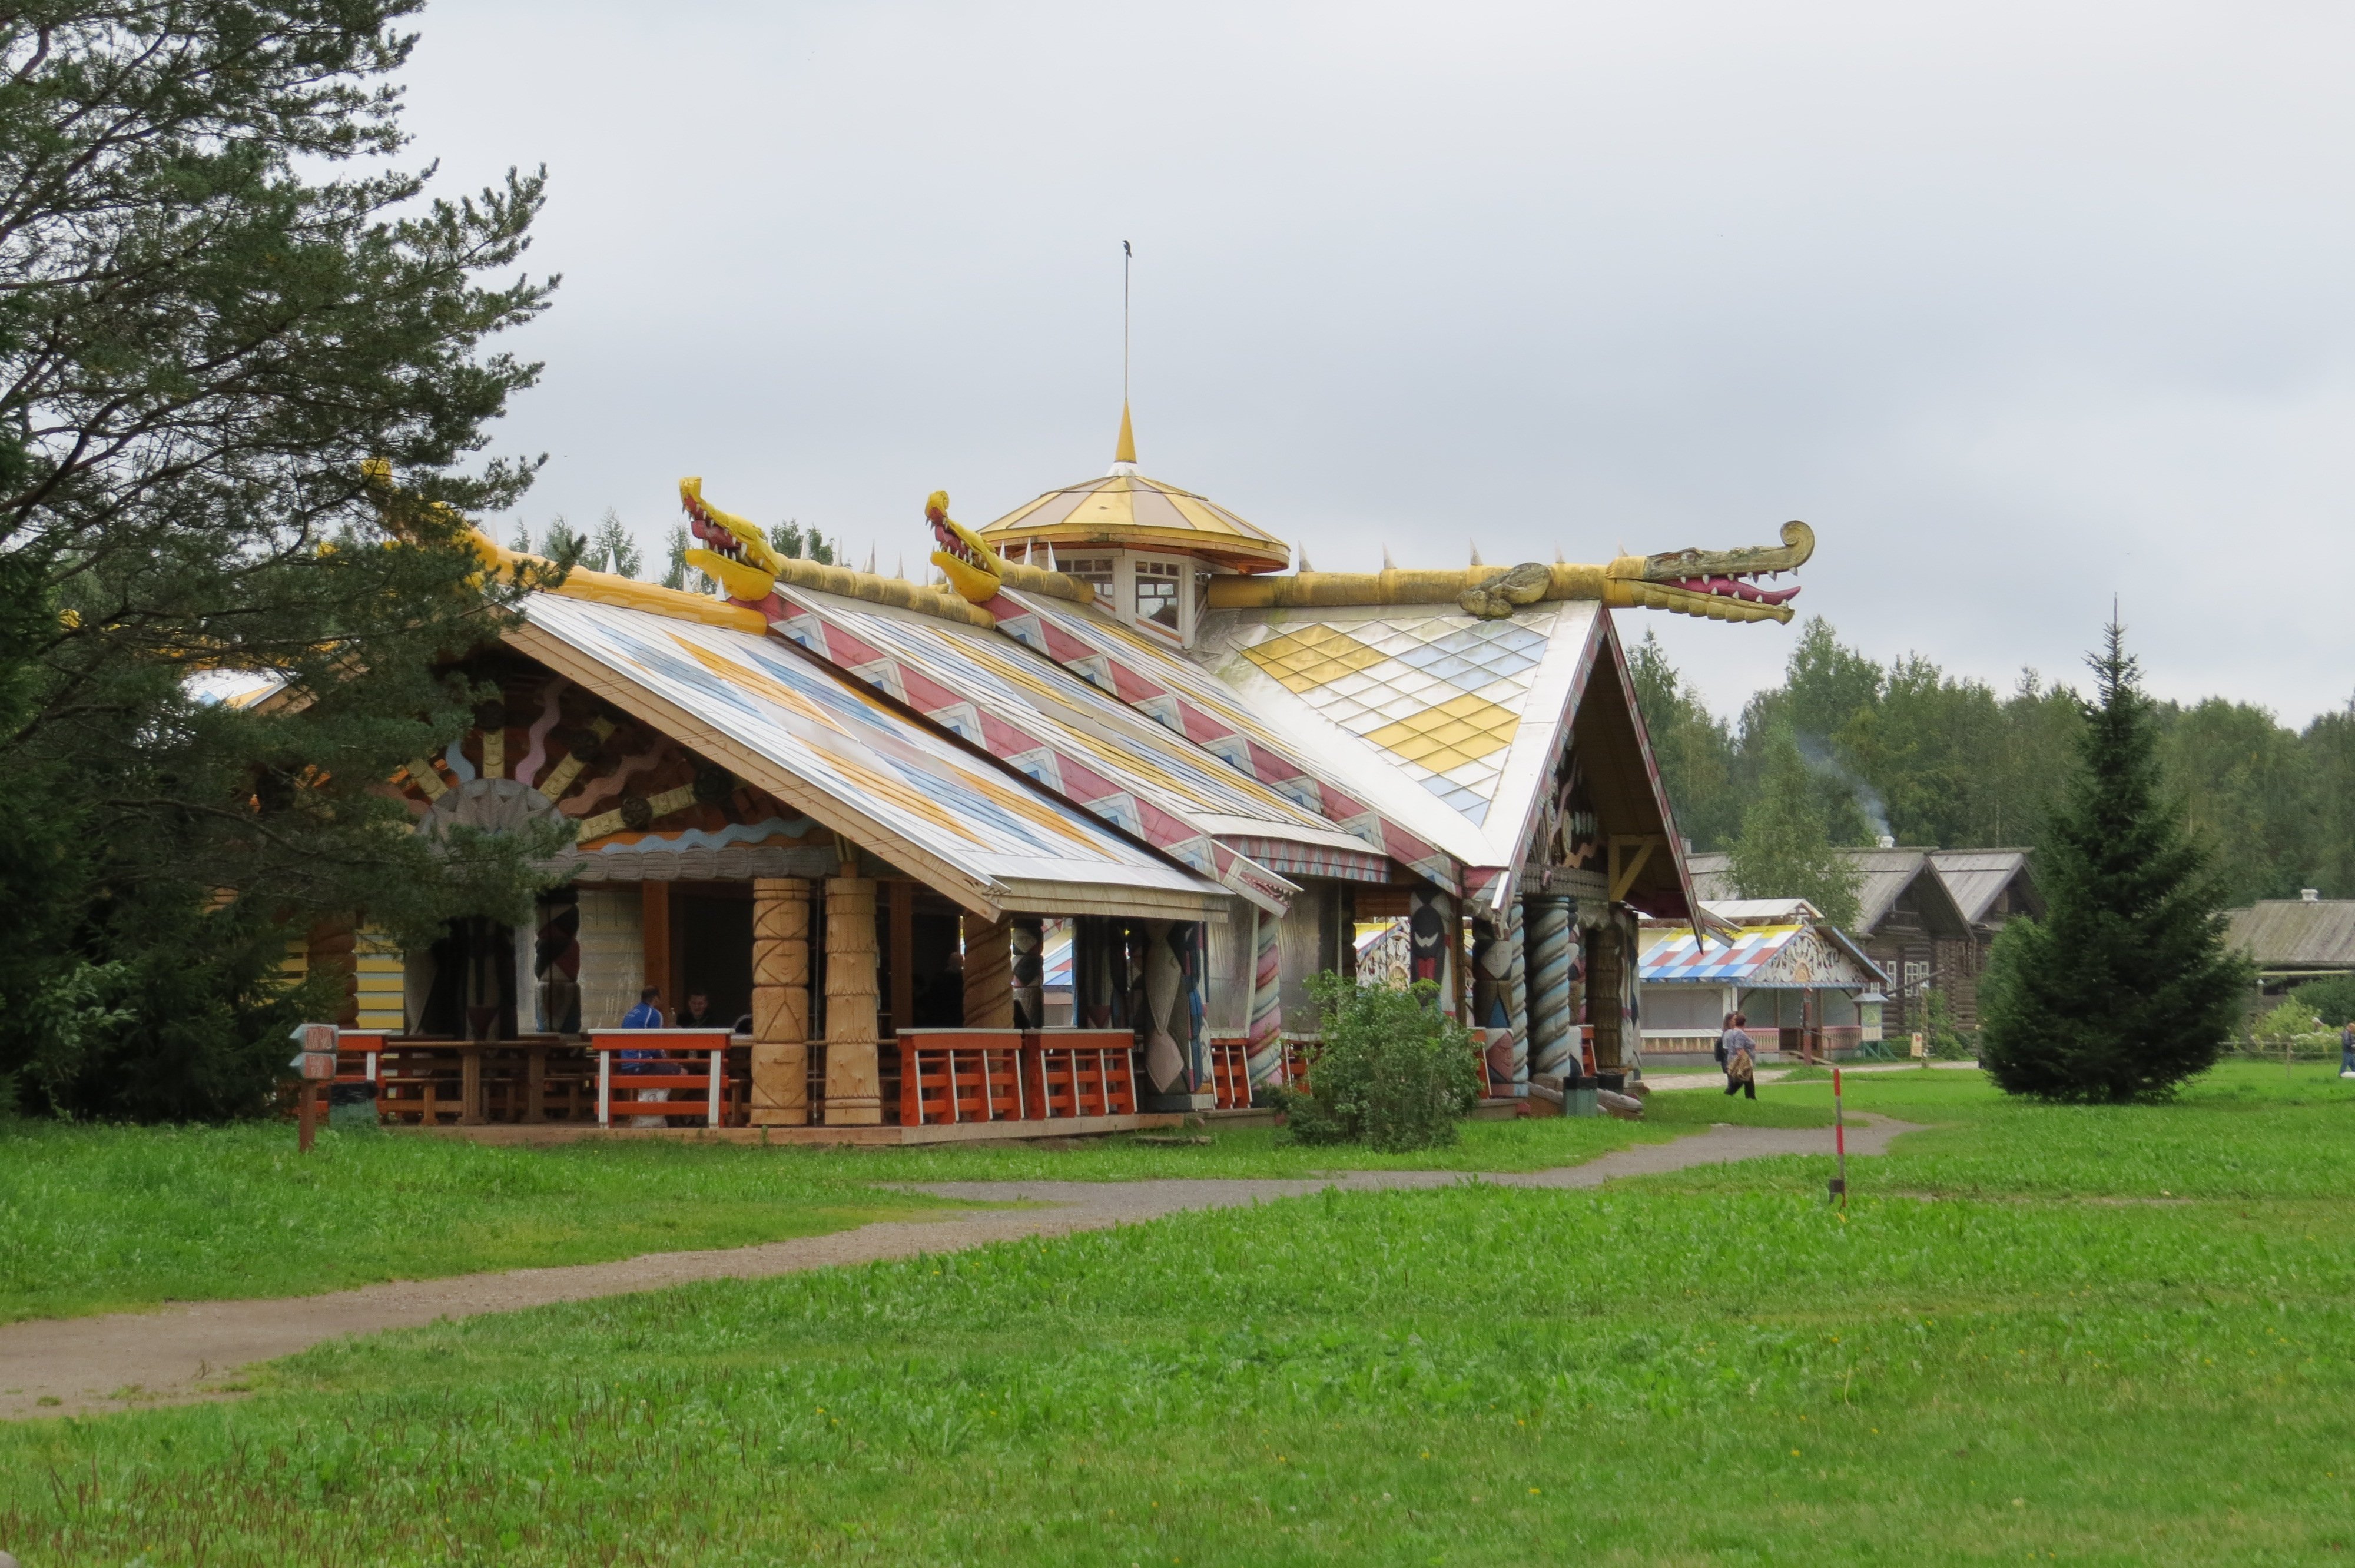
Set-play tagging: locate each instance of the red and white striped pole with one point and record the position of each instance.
(1839, 1141)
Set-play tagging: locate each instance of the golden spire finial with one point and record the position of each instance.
(1127, 451)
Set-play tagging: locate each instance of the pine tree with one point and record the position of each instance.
(1785, 848)
(224, 298)
(2126, 988)
(616, 547)
(568, 547)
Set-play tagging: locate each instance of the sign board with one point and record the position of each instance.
(1920, 1047)
(315, 1059)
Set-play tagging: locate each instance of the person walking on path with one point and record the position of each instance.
(1741, 1059)
(1724, 1028)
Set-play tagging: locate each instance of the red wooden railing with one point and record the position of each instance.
(953, 1075)
(692, 1065)
(1231, 1071)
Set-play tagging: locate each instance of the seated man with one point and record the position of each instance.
(647, 1014)
(697, 1013)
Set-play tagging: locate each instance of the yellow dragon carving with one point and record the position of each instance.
(1716, 585)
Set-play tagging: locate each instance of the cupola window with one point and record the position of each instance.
(1156, 592)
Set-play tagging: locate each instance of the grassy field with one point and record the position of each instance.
(2100, 1336)
(103, 1219)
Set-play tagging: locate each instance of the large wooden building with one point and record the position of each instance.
(1925, 918)
(853, 813)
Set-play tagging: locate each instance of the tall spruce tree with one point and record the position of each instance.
(220, 632)
(1785, 848)
(2126, 988)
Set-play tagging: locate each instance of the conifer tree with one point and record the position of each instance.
(616, 546)
(1785, 848)
(2126, 988)
(231, 316)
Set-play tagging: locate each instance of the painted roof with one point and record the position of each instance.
(1063, 732)
(1419, 699)
(1763, 957)
(1128, 510)
(233, 688)
(1158, 681)
(1763, 911)
(2293, 934)
(911, 796)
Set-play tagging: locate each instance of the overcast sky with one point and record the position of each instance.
(2020, 305)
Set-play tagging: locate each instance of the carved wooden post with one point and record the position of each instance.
(1516, 995)
(854, 1084)
(1552, 1020)
(988, 974)
(780, 999)
(1026, 945)
(1267, 1000)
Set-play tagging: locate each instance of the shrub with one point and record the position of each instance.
(1393, 1072)
(1944, 1041)
(2332, 999)
(2292, 1021)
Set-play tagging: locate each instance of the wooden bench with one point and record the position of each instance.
(690, 1066)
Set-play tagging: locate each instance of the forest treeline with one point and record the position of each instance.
(1930, 759)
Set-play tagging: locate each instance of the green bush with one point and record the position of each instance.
(2292, 1021)
(2332, 999)
(1944, 1041)
(1393, 1072)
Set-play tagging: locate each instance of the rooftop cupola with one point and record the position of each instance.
(1124, 510)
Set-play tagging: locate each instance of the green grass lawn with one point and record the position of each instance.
(102, 1219)
(2113, 1336)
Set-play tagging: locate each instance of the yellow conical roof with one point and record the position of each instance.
(1124, 510)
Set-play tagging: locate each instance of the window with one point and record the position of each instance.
(1156, 592)
(1094, 570)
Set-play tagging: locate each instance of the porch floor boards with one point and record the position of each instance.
(888, 1136)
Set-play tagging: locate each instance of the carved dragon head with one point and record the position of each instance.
(732, 551)
(1720, 585)
(973, 568)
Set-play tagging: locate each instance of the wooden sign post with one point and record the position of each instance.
(1839, 1141)
(316, 1062)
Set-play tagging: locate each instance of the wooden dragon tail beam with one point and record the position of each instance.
(1716, 585)
(735, 554)
(599, 587)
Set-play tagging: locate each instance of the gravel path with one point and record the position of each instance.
(1713, 1080)
(126, 1360)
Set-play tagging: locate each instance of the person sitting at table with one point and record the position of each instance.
(697, 1013)
(647, 1014)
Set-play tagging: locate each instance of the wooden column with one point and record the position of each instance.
(988, 974)
(654, 925)
(1552, 1012)
(854, 1084)
(1026, 945)
(903, 956)
(780, 999)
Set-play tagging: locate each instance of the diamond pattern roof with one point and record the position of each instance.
(1441, 694)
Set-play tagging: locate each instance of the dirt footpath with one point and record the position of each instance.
(127, 1360)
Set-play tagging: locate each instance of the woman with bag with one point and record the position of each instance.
(1741, 1059)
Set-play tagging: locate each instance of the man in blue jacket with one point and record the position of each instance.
(647, 1014)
